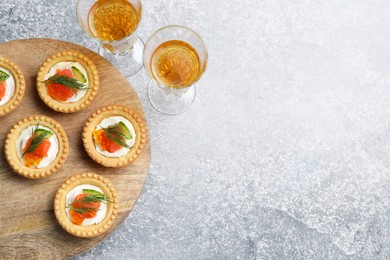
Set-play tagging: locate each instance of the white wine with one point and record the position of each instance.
(175, 64)
(111, 20)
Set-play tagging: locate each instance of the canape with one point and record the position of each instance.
(12, 86)
(36, 147)
(86, 205)
(68, 81)
(114, 136)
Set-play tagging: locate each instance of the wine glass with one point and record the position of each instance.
(114, 24)
(175, 57)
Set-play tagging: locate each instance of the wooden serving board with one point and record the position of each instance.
(28, 227)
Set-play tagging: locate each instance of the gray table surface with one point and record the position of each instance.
(286, 152)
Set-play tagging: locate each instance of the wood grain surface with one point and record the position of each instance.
(28, 227)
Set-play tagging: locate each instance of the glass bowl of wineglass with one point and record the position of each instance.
(175, 57)
(114, 24)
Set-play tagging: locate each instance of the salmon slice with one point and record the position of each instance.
(58, 91)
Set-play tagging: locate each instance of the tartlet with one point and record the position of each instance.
(99, 120)
(50, 139)
(14, 93)
(84, 80)
(61, 207)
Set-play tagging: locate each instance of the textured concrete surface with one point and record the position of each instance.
(286, 152)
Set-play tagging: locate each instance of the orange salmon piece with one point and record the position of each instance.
(58, 91)
(34, 158)
(78, 217)
(106, 143)
(2, 89)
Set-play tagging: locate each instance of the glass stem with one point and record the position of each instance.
(174, 91)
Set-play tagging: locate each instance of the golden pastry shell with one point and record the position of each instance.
(110, 111)
(91, 230)
(11, 153)
(20, 86)
(93, 81)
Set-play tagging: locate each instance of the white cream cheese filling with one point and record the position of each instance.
(130, 142)
(68, 65)
(9, 88)
(25, 136)
(101, 212)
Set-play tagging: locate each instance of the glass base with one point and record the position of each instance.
(170, 101)
(128, 63)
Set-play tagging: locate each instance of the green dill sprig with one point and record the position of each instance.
(115, 135)
(82, 210)
(4, 76)
(71, 83)
(36, 140)
(92, 196)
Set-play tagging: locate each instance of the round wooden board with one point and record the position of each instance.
(28, 227)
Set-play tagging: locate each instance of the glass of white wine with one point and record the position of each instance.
(114, 24)
(175, 57)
